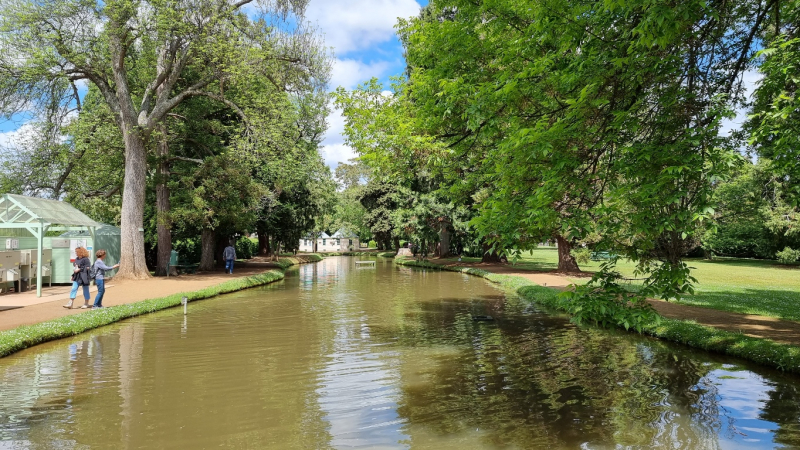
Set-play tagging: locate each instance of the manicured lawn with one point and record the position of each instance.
(739, 285)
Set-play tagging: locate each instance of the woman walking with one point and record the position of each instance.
(100, 269)
(80, 277)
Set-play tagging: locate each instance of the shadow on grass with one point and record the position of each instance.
(779, 303)
(745, 262)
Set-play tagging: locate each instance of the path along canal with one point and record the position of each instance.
(388, 357)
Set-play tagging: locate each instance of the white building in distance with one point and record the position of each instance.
(341, 241)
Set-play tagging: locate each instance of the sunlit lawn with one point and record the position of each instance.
(739, 285)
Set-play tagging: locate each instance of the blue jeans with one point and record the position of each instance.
(229, 266)
(101, 289)
(74, 292)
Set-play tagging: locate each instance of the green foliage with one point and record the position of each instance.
(189, 250)
(604, 302)
(219, 195)
(27, 336)
(379, 202)
(752, 217)
(246, 248)
(744, 286)
(788, 256)
(762, 351)
(776, 109)
(582, 255)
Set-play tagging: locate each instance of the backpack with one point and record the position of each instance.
(91, 272)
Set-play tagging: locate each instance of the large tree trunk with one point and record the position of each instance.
(489, 255)
(222, 242)
(263, 244)
(566, 262)
(396, 241)
(132, 264)
(444, 243)
(207, 241)
(163, 232)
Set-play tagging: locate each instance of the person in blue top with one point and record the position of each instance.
(100, 269)
(229, 255)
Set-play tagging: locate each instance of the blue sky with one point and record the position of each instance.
(362, 36)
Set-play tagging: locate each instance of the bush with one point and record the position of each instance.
(582, 255)
(189, 250)
(605, 303)
(788, 256)
(246, 248)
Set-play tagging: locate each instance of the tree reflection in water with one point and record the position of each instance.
(539, 382)
(383, 358)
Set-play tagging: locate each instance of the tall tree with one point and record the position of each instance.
(48, 46)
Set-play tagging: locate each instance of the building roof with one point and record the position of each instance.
(23, 210)
(103, 230)
(343, 233)
(312, 237)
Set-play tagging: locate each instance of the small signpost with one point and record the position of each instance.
(184, 302)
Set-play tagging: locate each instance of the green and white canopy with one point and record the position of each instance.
(38, 216)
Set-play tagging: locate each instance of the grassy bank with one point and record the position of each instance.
(27, 336)
(746, 286)
(289, 261)
(762, 351)
(367, 253)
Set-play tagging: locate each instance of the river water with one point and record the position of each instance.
(389, 357)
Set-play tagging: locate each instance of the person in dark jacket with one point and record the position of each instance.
(229, 255)
(80, 277)
(100, 269)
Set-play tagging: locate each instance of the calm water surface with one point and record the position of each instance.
(342, 357)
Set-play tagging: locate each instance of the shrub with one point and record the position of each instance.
(189, 250)
(788, 256)
(246, 248)
(604, 302)
(582, 255)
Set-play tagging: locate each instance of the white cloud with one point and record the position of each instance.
(13, 138)
(350, 72)
(335, 127)
(750, 81)
(333, 149)
(336, 153)
(351, 25)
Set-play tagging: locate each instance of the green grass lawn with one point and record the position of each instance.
(730, 284)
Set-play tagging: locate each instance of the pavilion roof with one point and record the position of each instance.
(27, 211)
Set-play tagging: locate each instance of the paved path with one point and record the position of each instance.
(25, 309)
(778, 330)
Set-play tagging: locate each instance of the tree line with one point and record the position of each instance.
(596, 125)
(187, 122)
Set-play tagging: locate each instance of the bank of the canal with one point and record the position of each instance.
(763, 351)
(346, 355)
(49, 321)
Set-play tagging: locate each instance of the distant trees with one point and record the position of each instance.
(197, 96)
(752, 216)
(584, 125)
(145, 59)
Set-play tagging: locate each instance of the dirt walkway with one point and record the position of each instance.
(20, 309)
(778, 330)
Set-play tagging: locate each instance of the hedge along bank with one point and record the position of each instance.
(27, 336)
(288, 261)
(763, 351)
